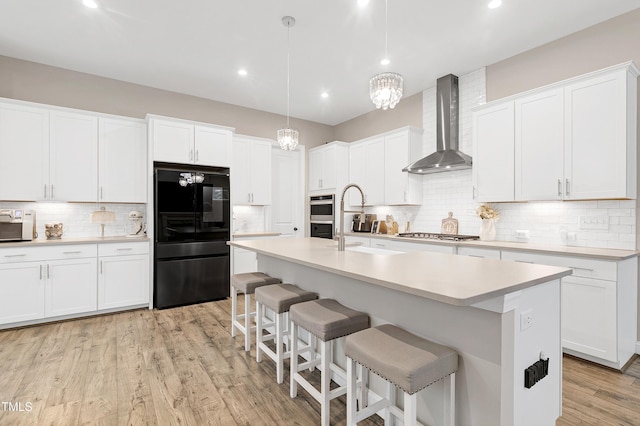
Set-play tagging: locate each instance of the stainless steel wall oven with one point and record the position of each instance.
(322, 216)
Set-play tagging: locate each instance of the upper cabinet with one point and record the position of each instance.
(328, 168)
(366, 169)
(574, 140)
(122, 160)
(178, 141)
(401, 148)
(251, 171)
(24, 152)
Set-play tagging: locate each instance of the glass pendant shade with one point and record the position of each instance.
(385, 89)
(288, 139)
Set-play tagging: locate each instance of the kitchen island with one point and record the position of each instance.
(499, 316)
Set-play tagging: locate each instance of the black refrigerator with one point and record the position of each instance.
(192, 227)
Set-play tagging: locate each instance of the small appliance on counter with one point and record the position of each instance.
(363, 225)
(17, 225)
(135, 224)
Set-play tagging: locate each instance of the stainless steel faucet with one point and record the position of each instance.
(342, 212)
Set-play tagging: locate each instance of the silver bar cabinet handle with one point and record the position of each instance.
(559, 188)
(566, 186)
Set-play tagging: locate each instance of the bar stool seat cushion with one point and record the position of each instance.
(247, 282)
(406, 360)
(327, 319)
(280, 297)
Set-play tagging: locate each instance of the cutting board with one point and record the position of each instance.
(450, 225)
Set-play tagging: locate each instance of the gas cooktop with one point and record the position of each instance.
(432, 236)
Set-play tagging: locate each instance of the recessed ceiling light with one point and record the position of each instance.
(494, 3)
(324, 95)
(385, 61)
(242, 72)
(90, 3)
(363, 3)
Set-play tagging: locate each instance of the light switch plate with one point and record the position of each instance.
(594, 222)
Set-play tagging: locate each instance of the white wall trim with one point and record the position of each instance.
(638, 348)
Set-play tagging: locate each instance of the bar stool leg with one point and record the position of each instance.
(279, 349)
(450, 407)
(234, 310)
(258, 331)
(351, 392)
(247, 323)
(389, 419)
(293, 361)
(325, 381)
(410, 413)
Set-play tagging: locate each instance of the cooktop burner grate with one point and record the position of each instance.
(432, 236)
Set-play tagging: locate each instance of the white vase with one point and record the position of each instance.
(488, 230)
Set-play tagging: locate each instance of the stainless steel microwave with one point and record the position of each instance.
(17, 225)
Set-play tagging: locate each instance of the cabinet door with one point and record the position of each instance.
(482, 252)
(123, 161)
(22, 289)
(596, 138)
(24, 153)
(172, 141)
(73, 158)
(212, 146)
(401, 188)
(123, 281)
(493, 153)
(316, 172)
(71, 286)
(240, 173)
(589, 317)
(260, 172)
(539, 146)
(329, 170)
(357, 172)
(366, 168)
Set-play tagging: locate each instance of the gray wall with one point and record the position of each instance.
(609, 43)
(34, 82)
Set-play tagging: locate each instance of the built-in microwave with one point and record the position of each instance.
(322, 216)
(17, 225)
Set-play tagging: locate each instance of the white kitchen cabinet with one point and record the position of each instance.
(122, 165)
(73, 157)
(599, 305)
(483, 252)
(70, 286)
(574, 140)
(357, 240)
(402, 147)
(123, 275)
(367, 170)
(328, 168)
(185, 142)
(539, 142)
(493, 152)
(251, 171)
(24, 152)
(22, 289)
(395, 245)
(600, 135)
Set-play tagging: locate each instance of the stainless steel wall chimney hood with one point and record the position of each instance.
(447, 157)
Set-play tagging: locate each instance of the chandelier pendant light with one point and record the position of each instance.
(385, 89)
(288, 137)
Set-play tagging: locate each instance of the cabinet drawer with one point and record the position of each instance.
(63, 251)
(582, 267)
(479, 252)
(123, 249)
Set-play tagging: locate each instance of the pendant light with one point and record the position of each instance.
(385, 89)
(288, 137)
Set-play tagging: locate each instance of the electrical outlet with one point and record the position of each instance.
(594, 222)
(522, 235)
(526, 319)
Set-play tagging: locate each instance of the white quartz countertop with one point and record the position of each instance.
(601, 253)
(255, 234)
(451, 279)
(79, 240)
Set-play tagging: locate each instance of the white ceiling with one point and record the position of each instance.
(197, 46)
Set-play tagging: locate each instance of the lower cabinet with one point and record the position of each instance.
(123, 275)
(70, 286)
(485, 253)
(22, 289)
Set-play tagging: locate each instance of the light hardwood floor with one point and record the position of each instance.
(181, 367)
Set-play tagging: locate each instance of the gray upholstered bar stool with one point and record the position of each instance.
(327, 320)
(246, 283)
(278, 298)
(404, 360)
